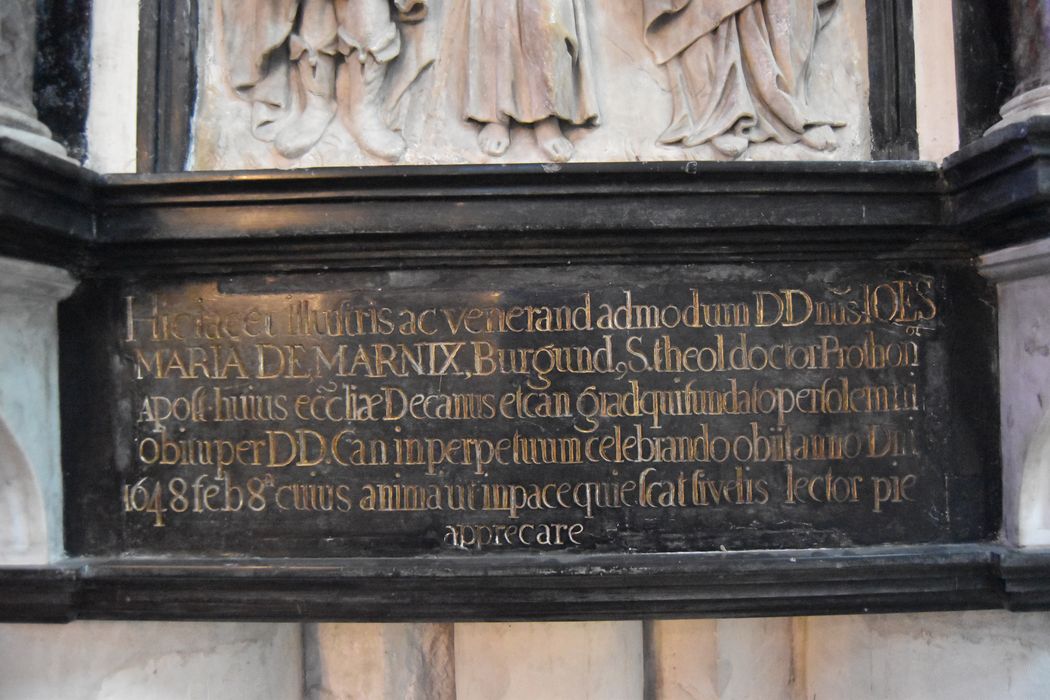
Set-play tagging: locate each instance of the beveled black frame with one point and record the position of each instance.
(991, 194)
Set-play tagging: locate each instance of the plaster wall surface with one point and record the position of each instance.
(112, 111)
(937, 112)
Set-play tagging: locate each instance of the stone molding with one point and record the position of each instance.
(31, 280)
(1017, 262)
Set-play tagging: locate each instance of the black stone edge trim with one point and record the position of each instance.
(992, 193)
(999, 186)
(810, 582)
(167, 83)
(891, 78)
(47, 206)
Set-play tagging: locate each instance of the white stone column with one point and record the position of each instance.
(30, 446)
(722, 660)
(553, 661)
(18, 118)
(379, 662)
(1022, 274)
(154, 660)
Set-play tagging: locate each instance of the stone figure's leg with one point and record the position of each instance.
(777, 42)
(369, 39)
(820, 137)
(312, 50)
(255, 41)
(546, 85)
(712, 103)
(490, 71)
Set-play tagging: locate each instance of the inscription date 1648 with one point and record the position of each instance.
(672, 412)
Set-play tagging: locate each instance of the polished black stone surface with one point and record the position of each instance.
(584, 409)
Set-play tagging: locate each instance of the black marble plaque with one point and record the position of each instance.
(558, 410)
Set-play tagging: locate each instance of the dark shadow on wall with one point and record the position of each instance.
(983, 68)
(62, 76)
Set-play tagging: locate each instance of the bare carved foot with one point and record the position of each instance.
(730, 145)
(551, 141)
(821, 138)
(494, 138)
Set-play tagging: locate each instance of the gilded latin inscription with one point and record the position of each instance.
(478, 419)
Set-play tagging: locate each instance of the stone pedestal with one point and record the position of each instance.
(30, 468)
(1023, 277)
(18, 118)
(1030, 25)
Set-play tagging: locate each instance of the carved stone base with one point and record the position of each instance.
(23, 128)
(1033, 103)
(1023, 277)
(30, 469)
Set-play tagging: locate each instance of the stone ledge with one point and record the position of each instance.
(714, 584)
(1017, 262)
(24, 279)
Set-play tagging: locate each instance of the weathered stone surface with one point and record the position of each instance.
(721, 659)
(928, 657)
(379, 661)
(554, 661)
(160, 661)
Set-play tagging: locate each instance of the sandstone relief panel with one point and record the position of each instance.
(308, 83)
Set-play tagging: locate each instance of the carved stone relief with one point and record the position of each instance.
(306, 83)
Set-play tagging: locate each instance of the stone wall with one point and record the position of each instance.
(931, 656)
(896, 657)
